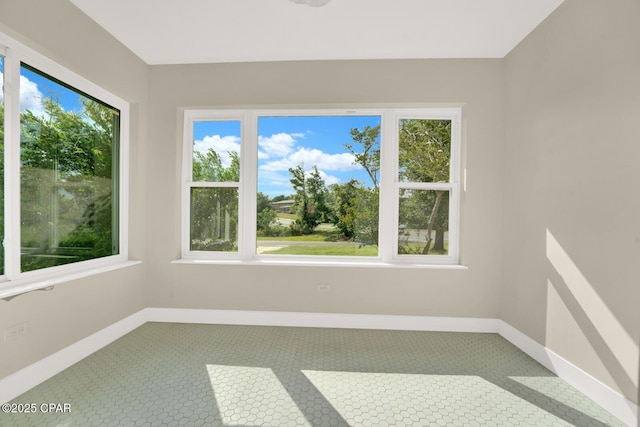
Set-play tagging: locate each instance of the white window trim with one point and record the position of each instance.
(13, 281)
(389, 186)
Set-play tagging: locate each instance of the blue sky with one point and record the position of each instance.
(34, 88)
(285, 142)
(38, 87)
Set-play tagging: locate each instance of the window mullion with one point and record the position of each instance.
(387, 226)
(12, 164)
(454, 221)
(249, 185)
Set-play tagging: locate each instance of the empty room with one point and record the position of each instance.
(320, 212)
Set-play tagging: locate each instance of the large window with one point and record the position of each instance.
(61, 140)
(361, 186)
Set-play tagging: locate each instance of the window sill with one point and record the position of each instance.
(11, 289)
(319, 263)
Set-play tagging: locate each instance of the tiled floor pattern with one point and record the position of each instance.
(244, 376)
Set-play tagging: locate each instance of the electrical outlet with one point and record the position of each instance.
(14, 332)
(323, 287)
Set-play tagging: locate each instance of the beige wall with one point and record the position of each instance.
(77, 309)
(476, 84)
(572, 183)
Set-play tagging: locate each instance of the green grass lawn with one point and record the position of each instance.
(317, 236)
(328, 250)
(416, 249)
(286, 215)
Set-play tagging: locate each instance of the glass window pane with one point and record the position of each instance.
(1, 164)
(424, 150)
(318, 180)
(424, 222)
(214, 219)
(216, 151)
(68, 177)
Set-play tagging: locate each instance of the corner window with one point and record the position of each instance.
(63, 144)
(358, 186)
(68, 174)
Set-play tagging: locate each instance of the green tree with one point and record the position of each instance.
(214, 210)
(319, 195)
(267, 218)
(359, 215)
(369, 158)
(344, 209)
(309, 201)
(68, 184)
(424, 156)
(208, 167)
(366, 216)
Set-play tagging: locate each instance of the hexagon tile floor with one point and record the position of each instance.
(165, 374)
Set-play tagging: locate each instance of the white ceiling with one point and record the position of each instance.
(209, 31)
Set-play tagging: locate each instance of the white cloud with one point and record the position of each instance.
(312, 156)
(277, 145)
(275, 179)
(221, 145)
(328, 179)
(30, 96)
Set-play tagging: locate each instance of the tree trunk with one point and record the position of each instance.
(432, 220)
(438, 244)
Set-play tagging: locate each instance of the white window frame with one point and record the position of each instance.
(14, 281)
(453, 186)
(389, 189)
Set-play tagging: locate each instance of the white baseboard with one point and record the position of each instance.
(322, 320)
(27, 378)
(627, 411)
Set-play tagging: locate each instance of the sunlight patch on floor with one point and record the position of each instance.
(251, 395)
(387, 399)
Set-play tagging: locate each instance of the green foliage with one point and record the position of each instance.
(424, 156)
(267, 224)
(366, 217)
(68, 184)
(337, 250)
(355, 205)
(309, 202)
(369, 158)
(356, 211)
(208, 167)
(214, 210)
(344, 196)
(318, 194)
(214, 219)
(263, 202)
(424, 150)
